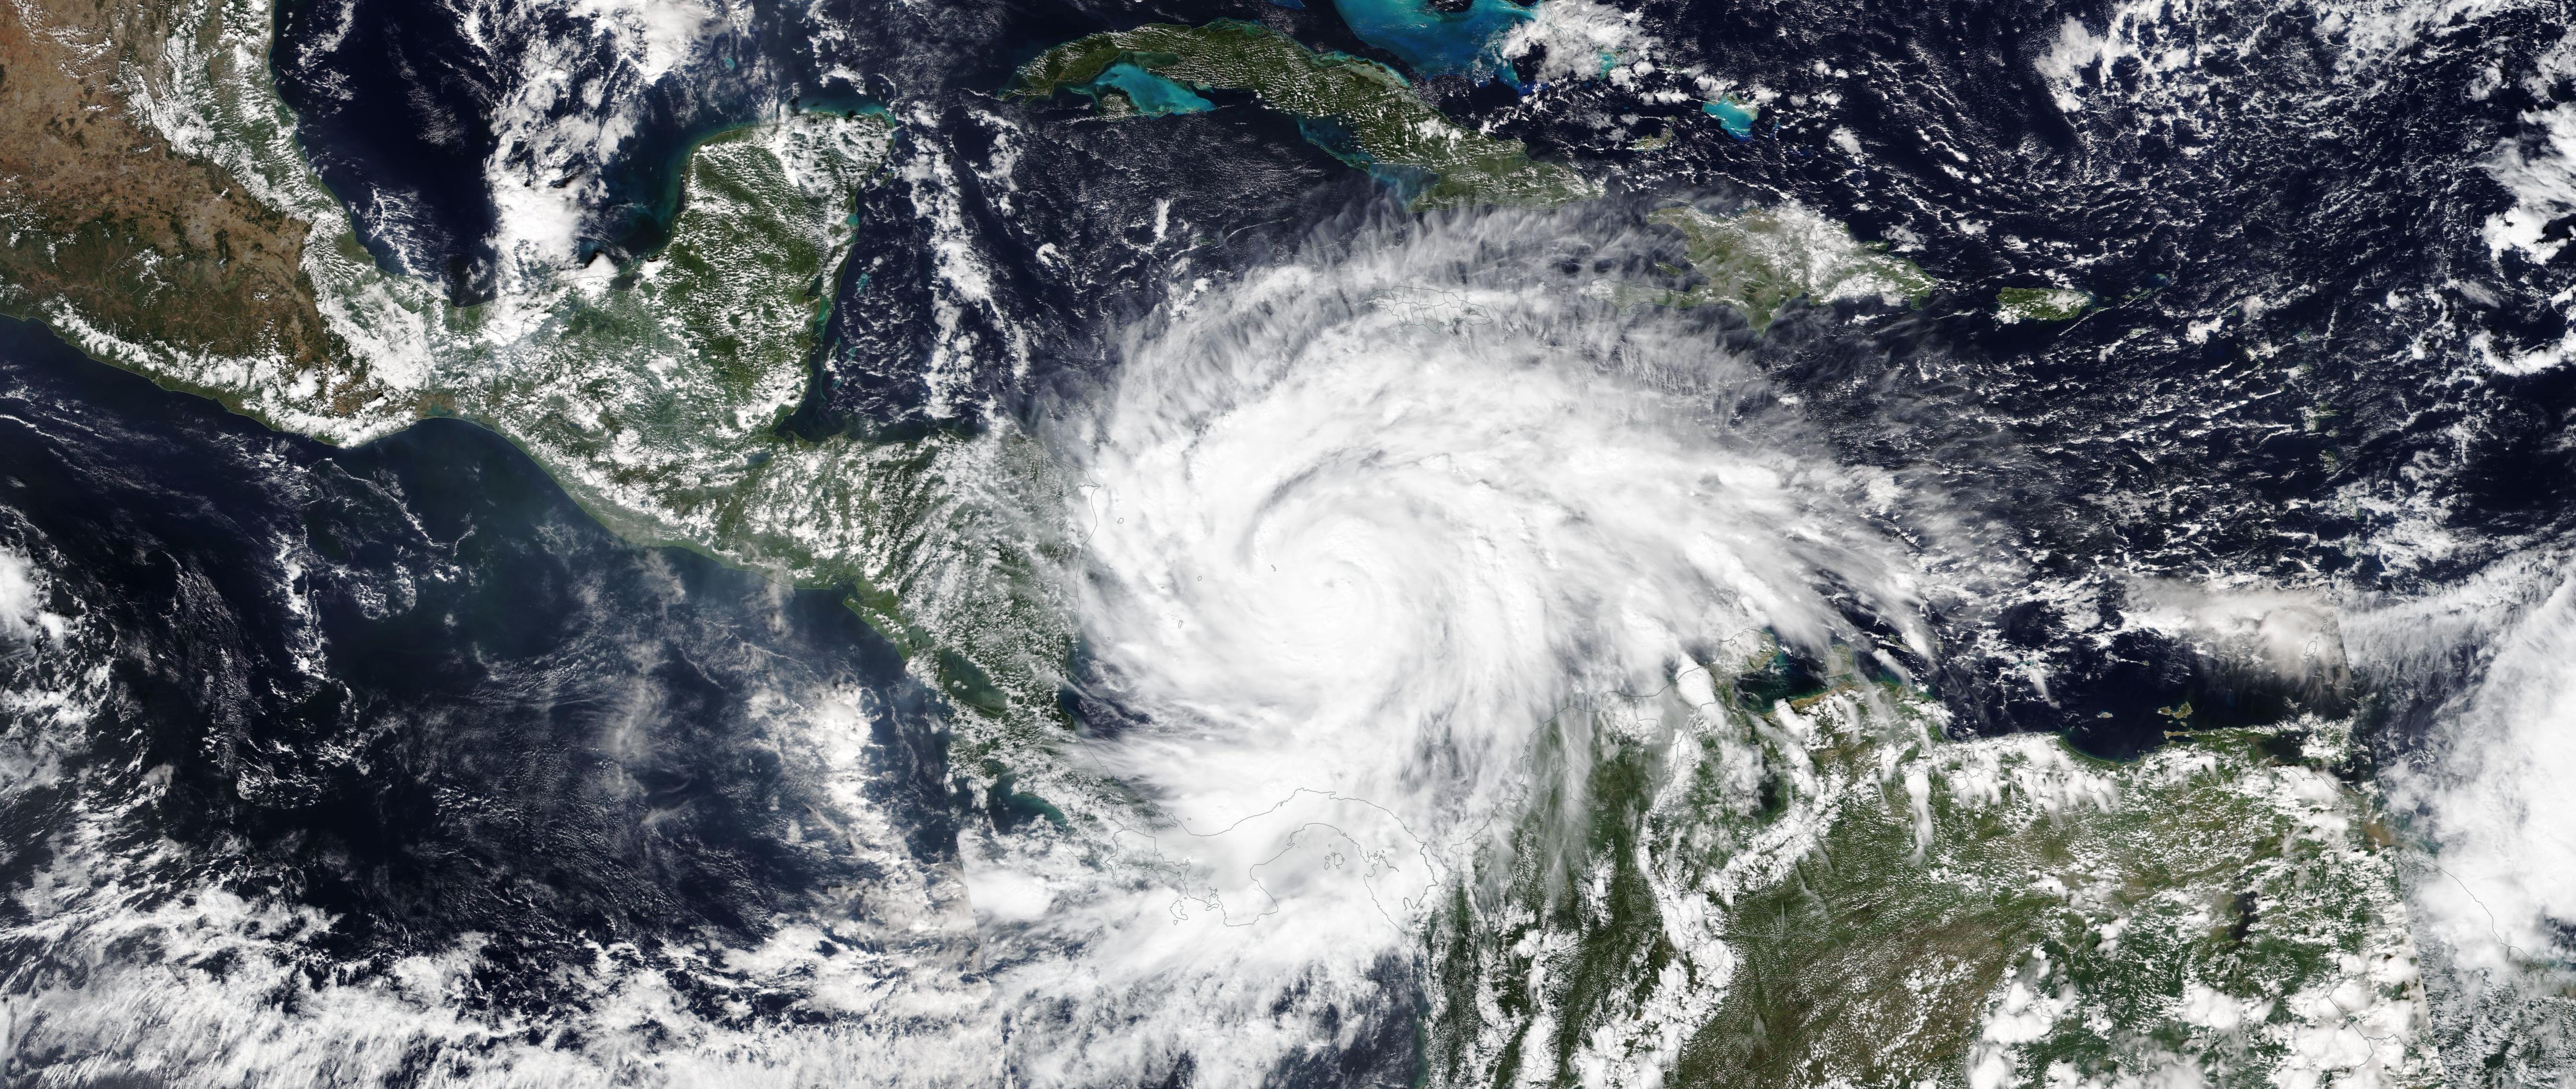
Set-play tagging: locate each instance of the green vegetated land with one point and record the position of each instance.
(655, 395)
(1735, 882)
(2014, 304)
(1761, 259)
(652, 391)
(1818, 891)
(1360, 110)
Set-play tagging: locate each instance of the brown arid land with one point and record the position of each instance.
(106, 224)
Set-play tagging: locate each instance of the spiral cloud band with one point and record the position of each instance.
(1360, 523)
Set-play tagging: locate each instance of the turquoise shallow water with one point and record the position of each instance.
(1153, 95)
(1434, 42)
(1734, 116)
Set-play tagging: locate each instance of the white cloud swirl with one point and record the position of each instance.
(1359, 524)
